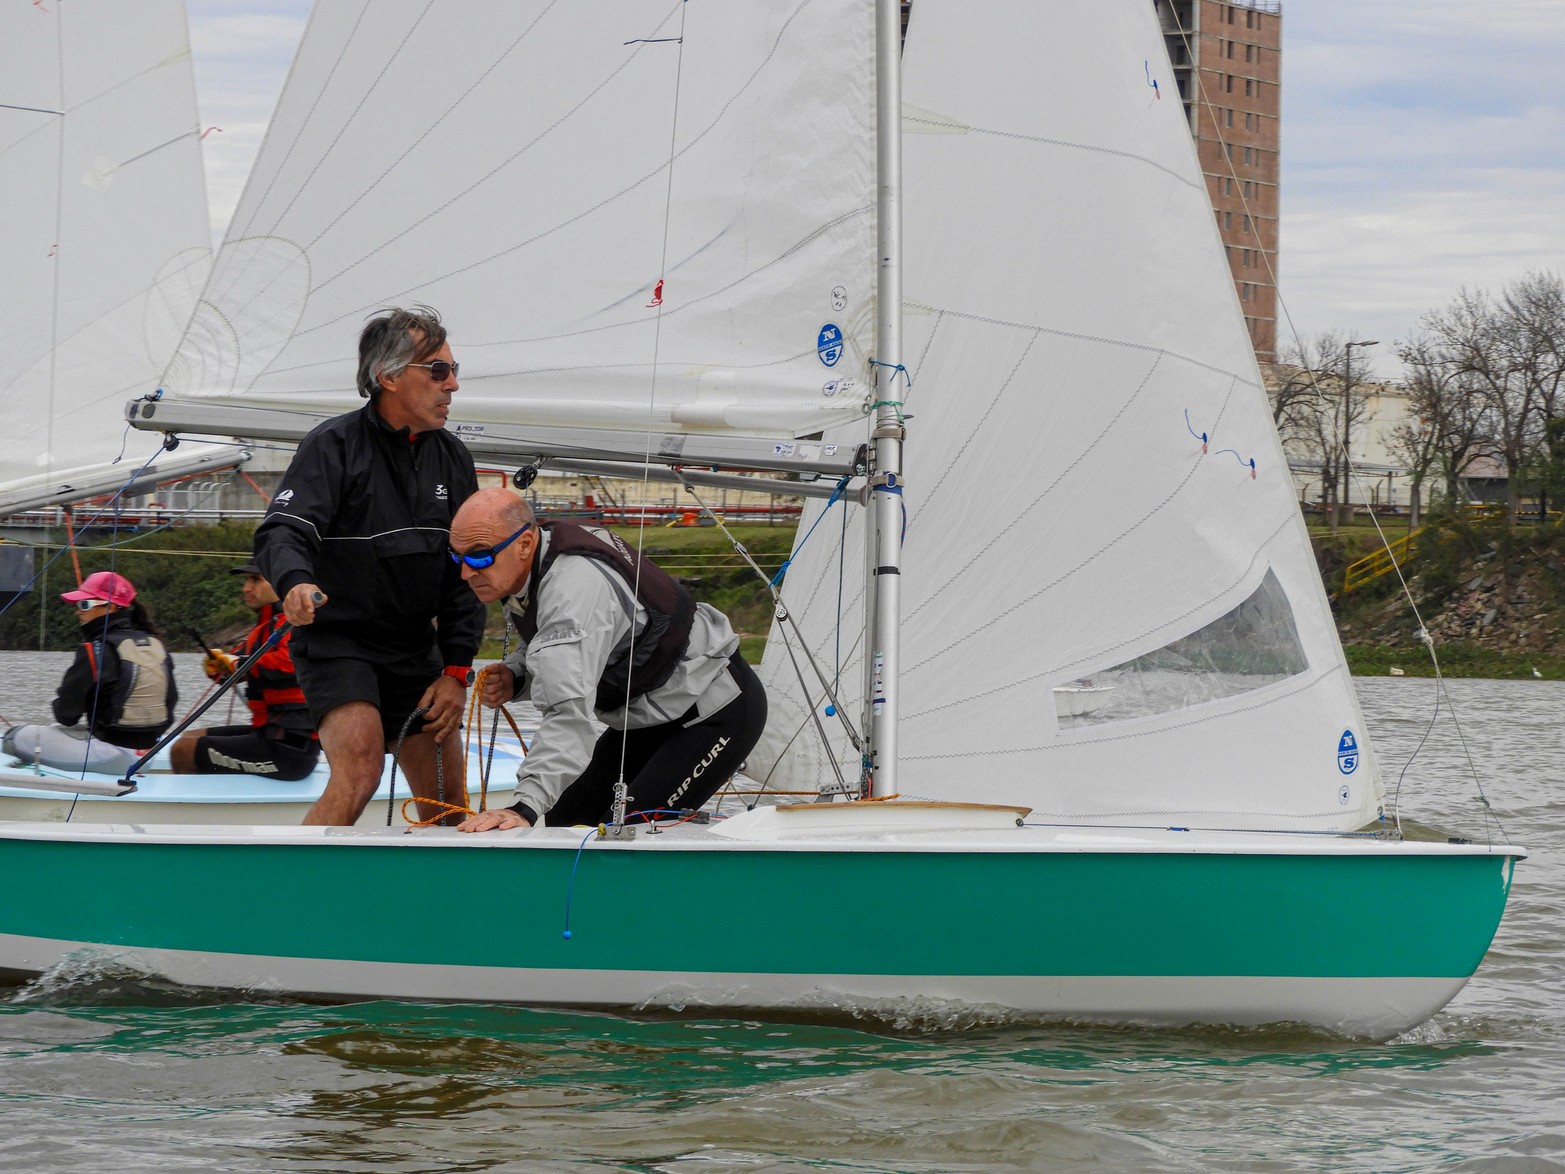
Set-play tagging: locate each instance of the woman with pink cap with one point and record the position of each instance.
(122, 681)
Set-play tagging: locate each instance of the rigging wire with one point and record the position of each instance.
(785, 618)
(621, 792)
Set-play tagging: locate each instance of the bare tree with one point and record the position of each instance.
(1448, 426)
(1316, 403)
(1509, 352)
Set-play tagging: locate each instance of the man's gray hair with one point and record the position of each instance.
(393, 339)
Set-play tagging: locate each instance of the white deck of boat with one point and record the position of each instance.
(763, 829)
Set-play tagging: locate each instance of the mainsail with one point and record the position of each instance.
(1110, 609)
(653, 216)
(105, 238)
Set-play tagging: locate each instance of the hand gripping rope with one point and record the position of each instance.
(472, 742)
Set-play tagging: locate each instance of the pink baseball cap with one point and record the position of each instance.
(104, 585)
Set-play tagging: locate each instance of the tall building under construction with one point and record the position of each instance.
(1227, 60)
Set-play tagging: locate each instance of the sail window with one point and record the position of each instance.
(1253, 646)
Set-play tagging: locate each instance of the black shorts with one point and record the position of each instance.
(245, 750)
(332, 681)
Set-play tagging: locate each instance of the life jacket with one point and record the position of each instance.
(140, 697)
(656, 652)
(272, 690)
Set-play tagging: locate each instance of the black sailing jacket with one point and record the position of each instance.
(365, 513)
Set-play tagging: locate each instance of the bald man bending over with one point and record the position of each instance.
(605, 633)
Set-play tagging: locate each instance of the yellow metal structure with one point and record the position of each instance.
(1380, 562)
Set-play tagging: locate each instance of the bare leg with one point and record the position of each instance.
(355, 750)
(182, 754)
(418, 763)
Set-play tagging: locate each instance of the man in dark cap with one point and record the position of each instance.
(280, 741)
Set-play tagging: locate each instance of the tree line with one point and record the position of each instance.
(1485, 381)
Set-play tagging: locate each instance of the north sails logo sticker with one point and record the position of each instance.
(828, 344)
(284, 497)
(1348, 753)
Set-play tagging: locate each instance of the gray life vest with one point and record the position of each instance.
(140, 700)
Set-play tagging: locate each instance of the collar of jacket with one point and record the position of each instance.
(405, 433)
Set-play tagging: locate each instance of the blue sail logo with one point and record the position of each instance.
(828, 344)
(1348, 753)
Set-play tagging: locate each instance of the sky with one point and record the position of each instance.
(1423, 148)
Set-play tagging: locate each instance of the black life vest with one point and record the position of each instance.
(657, 651)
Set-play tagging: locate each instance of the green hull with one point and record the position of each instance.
(687, 918)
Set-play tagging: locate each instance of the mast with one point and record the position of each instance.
(885, 485)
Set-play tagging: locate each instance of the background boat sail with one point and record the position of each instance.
(106, 240)
(1222, 892)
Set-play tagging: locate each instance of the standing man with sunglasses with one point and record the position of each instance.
(606, 636)
(355, 543)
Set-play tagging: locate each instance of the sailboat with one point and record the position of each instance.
(106, 242)
(107, 246)
(987, 329)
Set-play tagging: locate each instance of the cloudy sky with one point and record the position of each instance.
(1423, 146)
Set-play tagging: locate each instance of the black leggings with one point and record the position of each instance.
(233, 750)
(669, 766)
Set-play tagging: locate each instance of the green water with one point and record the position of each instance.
(101, 1072)
(100, 1076)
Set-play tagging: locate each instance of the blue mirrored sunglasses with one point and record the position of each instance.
(484, 556)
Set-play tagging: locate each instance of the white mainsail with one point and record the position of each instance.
(1105, 615)
(105, 239)
(630, 214)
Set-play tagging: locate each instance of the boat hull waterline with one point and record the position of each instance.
(1358, 936)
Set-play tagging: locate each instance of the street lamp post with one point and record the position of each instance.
(1344, 492)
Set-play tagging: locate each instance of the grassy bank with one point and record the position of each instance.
(1495, 598)
(1459, 659)
(1491, 595)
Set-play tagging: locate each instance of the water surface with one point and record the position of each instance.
(113, 1073)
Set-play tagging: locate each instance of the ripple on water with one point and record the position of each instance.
(105, 1070)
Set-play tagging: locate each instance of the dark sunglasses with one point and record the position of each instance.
(89, 604)
(485, 556)
(439, 370)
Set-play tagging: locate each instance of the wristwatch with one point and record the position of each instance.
(465, 675)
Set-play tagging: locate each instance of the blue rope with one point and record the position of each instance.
(836, 496)
(570, 886)
(894, 368)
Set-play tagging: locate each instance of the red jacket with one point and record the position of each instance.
(272, 688)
